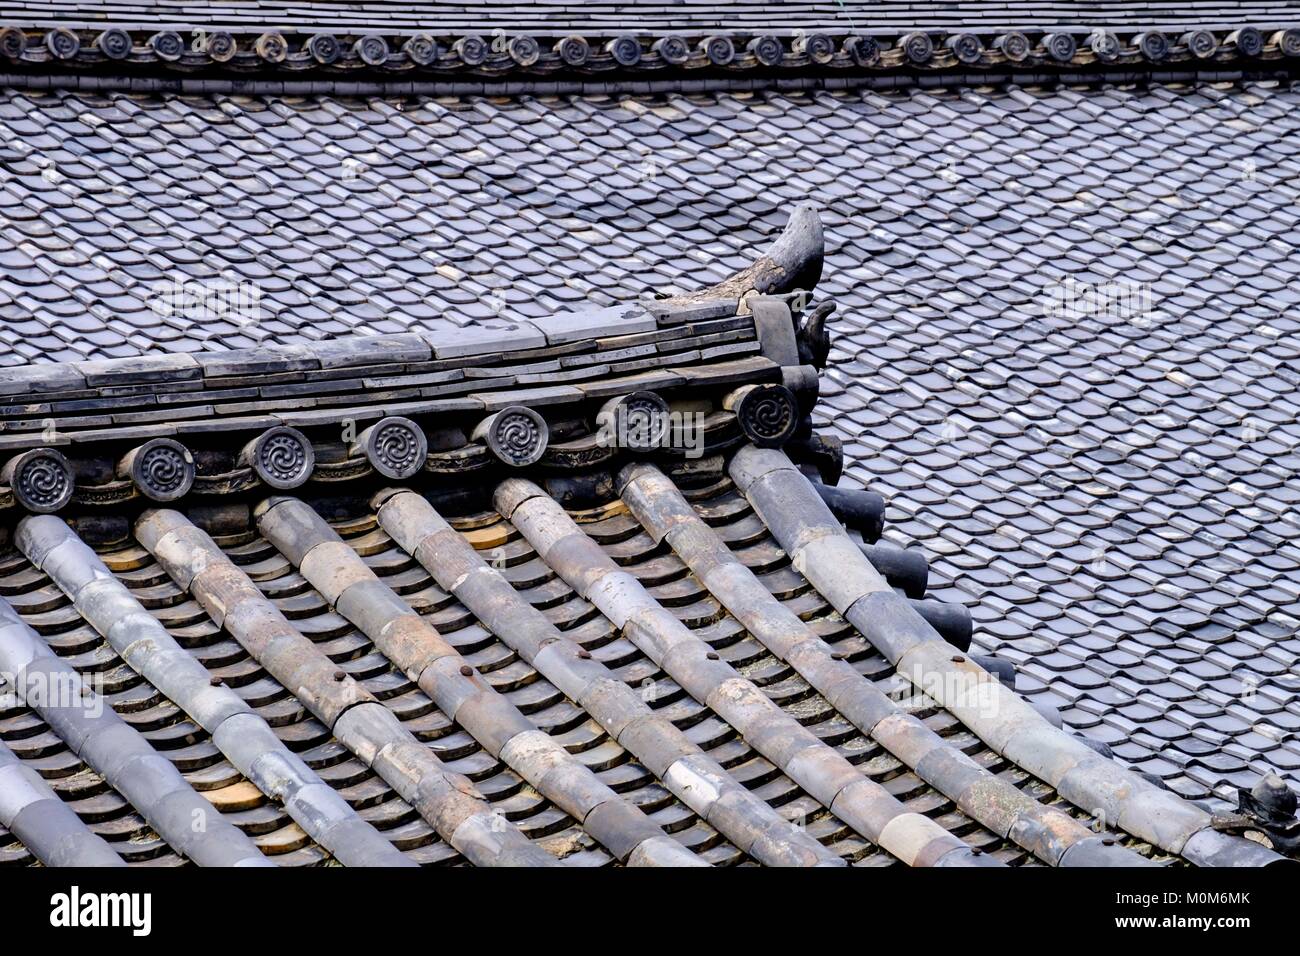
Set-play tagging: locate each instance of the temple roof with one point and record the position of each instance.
(696, 664)
(776, 454)
(640, 628)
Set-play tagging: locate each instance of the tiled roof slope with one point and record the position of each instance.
(1113, 492)
(608, 704)
(739, 15)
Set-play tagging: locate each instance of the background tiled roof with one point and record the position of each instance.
(1113, 492)
(739, 15)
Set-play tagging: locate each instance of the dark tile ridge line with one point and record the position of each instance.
(112, 49)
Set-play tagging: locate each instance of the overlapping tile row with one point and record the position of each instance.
(860, 802)
(175, 736)
(747, 15)
(624, 541)
(110, 48)
(817, 544)
(520, 564)
(533, 694)
(417, 649)
(447, 801)
(182, 741)
(1050, 833)
(510, 796)
(115, 750)
(1107, 488)
(695, 778)
(375, 802)
(45, 824)
(550, 359)
(669, 584)
(245, 739)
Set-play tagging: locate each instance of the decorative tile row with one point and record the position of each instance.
(501, 52)
(44, 481)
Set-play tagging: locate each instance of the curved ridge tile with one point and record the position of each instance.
(117, 751)
(46, 825)
(824, 773)
(695, 778)
(1047, 832)
(819, 547)
(448, 801)
(237, 731)
(412, 643)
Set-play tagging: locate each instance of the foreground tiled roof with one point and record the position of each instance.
(689, 661)
(1111, 489)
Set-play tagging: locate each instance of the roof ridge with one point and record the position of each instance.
(106, 49)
